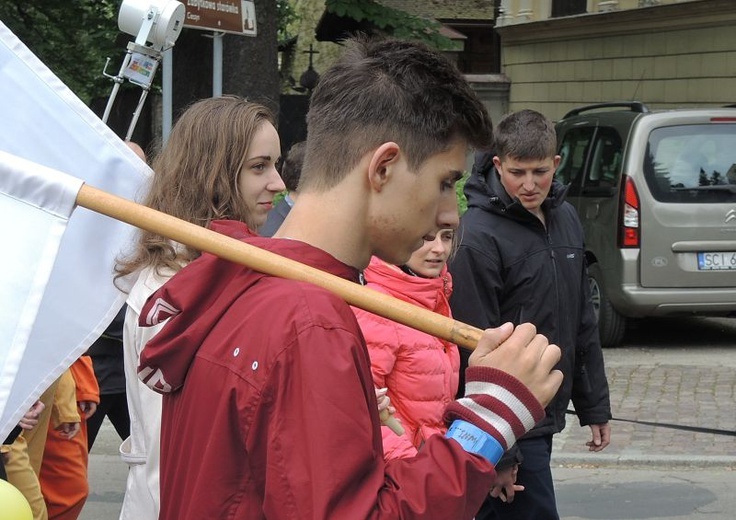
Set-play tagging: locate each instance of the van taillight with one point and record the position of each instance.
(629, 235)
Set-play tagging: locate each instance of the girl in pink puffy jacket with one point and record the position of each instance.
(420, 371)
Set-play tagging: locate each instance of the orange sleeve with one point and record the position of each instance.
(84, 376)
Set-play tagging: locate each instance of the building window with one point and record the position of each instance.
(568, 7)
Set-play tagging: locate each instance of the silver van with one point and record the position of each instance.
(656, 193)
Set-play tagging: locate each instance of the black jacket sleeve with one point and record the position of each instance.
(477, 282)
(474, 298)
(590, 393)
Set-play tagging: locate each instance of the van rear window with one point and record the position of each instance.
(692, 163)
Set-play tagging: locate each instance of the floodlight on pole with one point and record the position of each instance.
(156, 24)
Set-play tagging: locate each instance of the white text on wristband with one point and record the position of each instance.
(475, 440)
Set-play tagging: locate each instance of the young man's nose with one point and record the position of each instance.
(528, 183)
(447, 216)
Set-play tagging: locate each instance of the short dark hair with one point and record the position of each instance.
(291, 170)
(384, 90)
(525, 134)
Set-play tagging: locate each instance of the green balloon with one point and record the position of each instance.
(14, 504)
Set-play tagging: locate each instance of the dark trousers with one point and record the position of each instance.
(114, 406)
(537, 501)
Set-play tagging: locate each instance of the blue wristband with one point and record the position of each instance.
(475, 440)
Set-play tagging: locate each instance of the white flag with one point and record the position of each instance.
(42, 121)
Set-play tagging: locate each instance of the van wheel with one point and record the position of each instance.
(611, 324)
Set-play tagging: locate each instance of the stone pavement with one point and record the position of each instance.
(693, 388)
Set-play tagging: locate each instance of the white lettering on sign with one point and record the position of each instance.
(202, 4)
(227, 8)
(233, 16)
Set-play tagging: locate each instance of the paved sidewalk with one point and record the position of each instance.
(684, 390)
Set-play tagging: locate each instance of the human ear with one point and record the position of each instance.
(381, 162)
(497, 162)
(557, 160)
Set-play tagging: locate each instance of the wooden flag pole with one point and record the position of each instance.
(270, 263)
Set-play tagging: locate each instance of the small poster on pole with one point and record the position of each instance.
(141, 69)
(230, 16)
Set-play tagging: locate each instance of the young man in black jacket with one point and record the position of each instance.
(521, 259)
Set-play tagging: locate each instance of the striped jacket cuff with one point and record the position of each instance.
(498, 403)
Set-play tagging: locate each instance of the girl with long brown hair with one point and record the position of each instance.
(219, 163)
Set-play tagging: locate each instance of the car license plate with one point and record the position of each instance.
(717, 261)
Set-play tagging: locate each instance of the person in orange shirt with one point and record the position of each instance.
(64, 468)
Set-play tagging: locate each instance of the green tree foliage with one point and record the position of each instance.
(462, 202)
(72, 37)
(286, 19)
(397, 23)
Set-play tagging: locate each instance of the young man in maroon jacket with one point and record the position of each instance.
(269, 406)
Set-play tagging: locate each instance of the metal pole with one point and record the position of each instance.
(136, 114)
(167, 95)
(217, 64)
(116, 87)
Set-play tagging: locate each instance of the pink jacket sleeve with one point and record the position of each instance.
(383, 344)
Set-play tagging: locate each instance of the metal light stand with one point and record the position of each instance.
(120, 78)
(141, 61)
